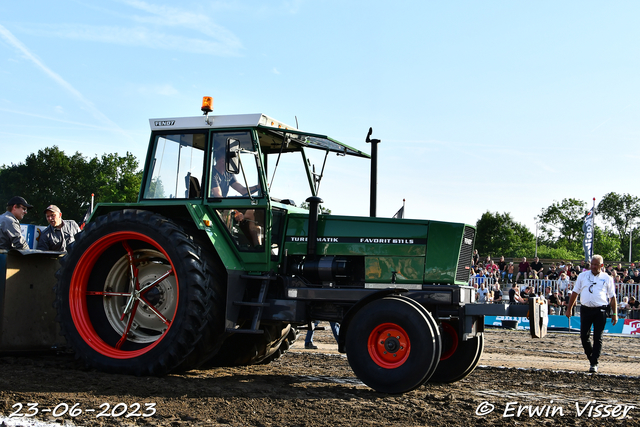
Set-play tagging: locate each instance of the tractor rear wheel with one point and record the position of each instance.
(459, 358)
(135, 296)
(391, 345)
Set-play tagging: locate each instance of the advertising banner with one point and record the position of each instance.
(587, 242)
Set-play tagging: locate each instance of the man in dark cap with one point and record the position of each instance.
(59, 234)
(10, 233)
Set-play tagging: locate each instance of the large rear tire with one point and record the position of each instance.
(391, 345)
(134, 296)
(459, 358)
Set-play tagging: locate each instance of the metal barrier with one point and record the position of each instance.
(627, 290)
(622, 289)
(489, 281)
(539, 286)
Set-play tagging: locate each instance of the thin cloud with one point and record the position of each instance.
(137, 37)
(293, 6)
(174, 17)
(609, 119)
(13, 41)
(594, 129)
(58, 110)
(164, 90)
(148, 30)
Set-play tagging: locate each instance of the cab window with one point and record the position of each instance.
(234, 166)
(177, 167)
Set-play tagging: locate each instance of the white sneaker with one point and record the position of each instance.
(593, 368)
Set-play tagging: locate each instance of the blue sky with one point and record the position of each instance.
(501, 106)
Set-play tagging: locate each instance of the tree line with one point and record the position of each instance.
(560, 231)
(50, 177)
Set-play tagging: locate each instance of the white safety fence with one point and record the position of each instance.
(627, 290)
(563, 287)
(540, 286)
(489, 281)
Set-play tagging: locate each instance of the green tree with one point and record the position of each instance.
(116, 178)
(620, 211)
(323, 210)
(499, 235)
(561, 224)
(607, 244)
(51, 177)
(557, 253)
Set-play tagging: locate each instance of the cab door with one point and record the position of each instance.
(236, 195)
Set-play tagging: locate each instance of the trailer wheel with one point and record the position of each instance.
(459, 358)
(135, 297)
(391, 346)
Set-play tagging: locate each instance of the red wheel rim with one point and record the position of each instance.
(78, 294)
(452, 336)
(389, 345)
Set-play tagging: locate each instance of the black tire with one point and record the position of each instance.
(435, 330)
(459, 358)
(251, 349)
(163, 326)
(213, 333)
(279, 348)
(391, 346)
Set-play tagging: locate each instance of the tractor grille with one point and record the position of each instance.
(466, 252)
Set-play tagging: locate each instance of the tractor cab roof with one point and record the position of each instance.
(275, 136)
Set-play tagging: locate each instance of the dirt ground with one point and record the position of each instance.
(545, 381)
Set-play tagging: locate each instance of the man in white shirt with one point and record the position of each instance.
(482, 293)
(596, 291)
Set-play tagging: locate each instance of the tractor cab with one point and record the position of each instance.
(235, 173)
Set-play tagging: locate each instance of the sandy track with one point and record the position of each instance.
(318, 388)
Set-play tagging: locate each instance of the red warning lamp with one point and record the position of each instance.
(207, 104)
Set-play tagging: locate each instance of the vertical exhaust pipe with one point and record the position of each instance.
(374, 173)
(312, 240)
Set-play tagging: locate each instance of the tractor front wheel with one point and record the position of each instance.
(391, 345)
(459, 358)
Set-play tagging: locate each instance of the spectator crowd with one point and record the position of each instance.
(554, 281)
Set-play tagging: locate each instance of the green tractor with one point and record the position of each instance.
(210, 268)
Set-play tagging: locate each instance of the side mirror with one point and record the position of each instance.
(233, 155)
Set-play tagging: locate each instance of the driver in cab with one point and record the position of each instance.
(221, 180)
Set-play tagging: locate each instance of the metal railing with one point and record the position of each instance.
(489, 281)
(539, 286)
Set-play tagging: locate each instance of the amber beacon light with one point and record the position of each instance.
(207, 104)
